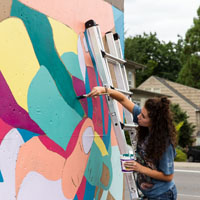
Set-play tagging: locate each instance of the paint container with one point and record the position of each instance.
(124, 158)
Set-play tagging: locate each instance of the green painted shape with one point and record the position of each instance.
(71, 61)
(94, 167)
(49, 110)
(40, 33)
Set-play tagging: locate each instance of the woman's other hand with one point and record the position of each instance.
(133, 165)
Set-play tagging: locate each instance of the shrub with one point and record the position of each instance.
(180, 155)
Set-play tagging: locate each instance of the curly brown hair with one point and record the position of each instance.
(162, 131)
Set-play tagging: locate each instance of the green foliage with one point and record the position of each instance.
(180, 155)
(186, 129)
(190, 73)
(160, 58)
(128, 141)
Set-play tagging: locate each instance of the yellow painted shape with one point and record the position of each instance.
(64, 37)
(100, 144)
(18, 62)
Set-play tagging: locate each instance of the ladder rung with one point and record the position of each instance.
(128, 127)
(122, 91)
(112, 58)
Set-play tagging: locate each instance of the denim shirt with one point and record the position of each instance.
(152, 187)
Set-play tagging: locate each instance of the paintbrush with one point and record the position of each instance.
(86, 95)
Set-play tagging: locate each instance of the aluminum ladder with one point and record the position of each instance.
(102, 58)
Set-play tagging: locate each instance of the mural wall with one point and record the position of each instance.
(52, 145)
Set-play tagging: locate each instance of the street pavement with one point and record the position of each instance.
(187, 179)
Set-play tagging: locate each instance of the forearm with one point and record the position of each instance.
(135, 166)
(155, 174)
(118, 96)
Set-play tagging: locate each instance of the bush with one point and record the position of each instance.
(180, 155)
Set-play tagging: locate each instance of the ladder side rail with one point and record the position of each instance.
(117, 68)
(133, 133)
(103, 71)
(121, 82)
(119, 53)
(92, 33)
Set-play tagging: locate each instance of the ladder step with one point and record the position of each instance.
(122, 91)
(112, 58)
(128, 127)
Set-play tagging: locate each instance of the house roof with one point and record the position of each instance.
(139, 91)
(188, 94)
(131, 64)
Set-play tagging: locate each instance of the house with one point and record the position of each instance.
(187, 97)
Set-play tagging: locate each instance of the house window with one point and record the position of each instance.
(130, 78)
(148, 89)
(157, 90)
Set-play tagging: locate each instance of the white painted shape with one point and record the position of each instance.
(81, 58)
(9, 149)
(37, 187)
(87, 139)
(104, 195)
(85, 45)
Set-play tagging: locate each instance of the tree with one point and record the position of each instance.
(190, 73)
(161, 59)
(186, 129)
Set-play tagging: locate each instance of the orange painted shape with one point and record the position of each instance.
(75, 13)
(34, 156)
(75, 165)
(113, 137)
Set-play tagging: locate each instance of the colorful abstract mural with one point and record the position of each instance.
(52, 145)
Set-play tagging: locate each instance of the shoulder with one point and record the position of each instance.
(136, 111)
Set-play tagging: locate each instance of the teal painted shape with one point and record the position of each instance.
(26, 135)
(119, 25)
(94, 167)
(1, 177)
(40, 33)
(71, 61)
(49, 110)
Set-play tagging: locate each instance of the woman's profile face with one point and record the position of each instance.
(143, 118)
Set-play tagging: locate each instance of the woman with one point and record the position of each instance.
(155, 145)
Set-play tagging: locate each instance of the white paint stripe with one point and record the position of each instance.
(187, 171)
(187, 195)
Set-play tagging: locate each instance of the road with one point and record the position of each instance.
(187, 179)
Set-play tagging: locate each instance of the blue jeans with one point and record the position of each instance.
(171, 194)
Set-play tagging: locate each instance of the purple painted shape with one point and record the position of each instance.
(79, 87)
(12, 113)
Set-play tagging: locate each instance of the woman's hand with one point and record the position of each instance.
(96, 91)
(134, 166)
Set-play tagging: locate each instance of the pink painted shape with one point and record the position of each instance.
(79, 88)
(52, 146)
(75, 13)
(73, 140)
(12, 113)
(81, 190)
(97, 114)
(4, 129)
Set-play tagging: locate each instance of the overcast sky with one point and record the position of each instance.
(168, 18)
